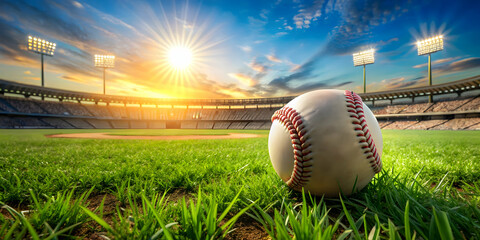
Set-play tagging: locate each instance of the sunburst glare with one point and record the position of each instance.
(180, 57)
(182, 45)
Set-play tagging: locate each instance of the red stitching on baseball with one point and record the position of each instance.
(355, 107)
(294, 124)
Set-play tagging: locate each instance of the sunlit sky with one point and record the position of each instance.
(237, 49)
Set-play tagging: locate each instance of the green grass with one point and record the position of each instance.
(430, 187)
(436, 152)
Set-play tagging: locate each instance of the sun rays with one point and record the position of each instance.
(179, 46)
(180, 57)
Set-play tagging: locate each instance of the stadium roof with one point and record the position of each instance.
(466, 84)
(463, 85)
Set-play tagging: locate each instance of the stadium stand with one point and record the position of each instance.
(238, 125)
(417, 108)
(57, 123)
(221, 125)
(459, 124)
(400, 125)
(28, 122)
(472, 105)
(76, 109)
(53, 107)
(6, 122)
(205, 125)
(188, 125)
(5, 106)
(78, 123)
(266, 125)
(98, 111)
(99, 123)
(254, 125)
(118, 112)
(456, 106)
(24, 105)
(157, 124)
(138, 124)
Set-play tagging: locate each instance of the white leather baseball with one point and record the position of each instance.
(327, 142)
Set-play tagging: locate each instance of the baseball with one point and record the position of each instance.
(327, 142)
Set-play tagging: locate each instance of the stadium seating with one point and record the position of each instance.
(53, 107)
(447, 106)
(118, 112)
(29, 122)
(472, 105)
(188, 125)
(254, 125)
(400, 124)
(6, 107)
(57, 123)
(157, 124)
(221, 125)
(138, 124)
(96, 123)
(18, 112)
(98, 111)
(7, 122)
(237, 125)
(76, 109)
(205, 125)
(119, 124)
(417, 108)
(78, 123)
(458, 124)
(23, 105)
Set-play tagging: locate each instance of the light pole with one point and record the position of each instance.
(104, 61)
(42, 47)
(429, 46)
(362, 59)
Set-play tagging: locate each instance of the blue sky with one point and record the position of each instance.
(241, 49)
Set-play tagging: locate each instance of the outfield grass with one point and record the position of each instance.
(431, 177)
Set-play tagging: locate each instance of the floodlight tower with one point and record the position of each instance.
(42, 47)
(104, 61)
(362, 59)
(429, 46)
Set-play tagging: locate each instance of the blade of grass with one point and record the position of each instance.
(407, 221)
(350, 220)
(97, 219)
(443, 224)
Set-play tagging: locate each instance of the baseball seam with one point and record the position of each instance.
(302, 168)
(356, 113)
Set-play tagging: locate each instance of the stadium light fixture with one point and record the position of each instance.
(429, 46)
(362, 59)
(104, 61)
(42, 47)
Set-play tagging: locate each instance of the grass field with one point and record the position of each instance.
(201, 189)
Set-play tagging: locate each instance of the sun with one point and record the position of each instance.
(180, 57)
(182, 50)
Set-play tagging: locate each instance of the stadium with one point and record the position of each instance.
(195, 135)
(456, 106)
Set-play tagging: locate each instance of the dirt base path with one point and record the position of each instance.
(172, 137)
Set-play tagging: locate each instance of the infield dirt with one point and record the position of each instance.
(173, 137)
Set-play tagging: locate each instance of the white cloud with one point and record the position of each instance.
(257, 66)
(77, 4)
(439, 61)
(246, 48)
(247, 80)
(273, 58)
(305, 17)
